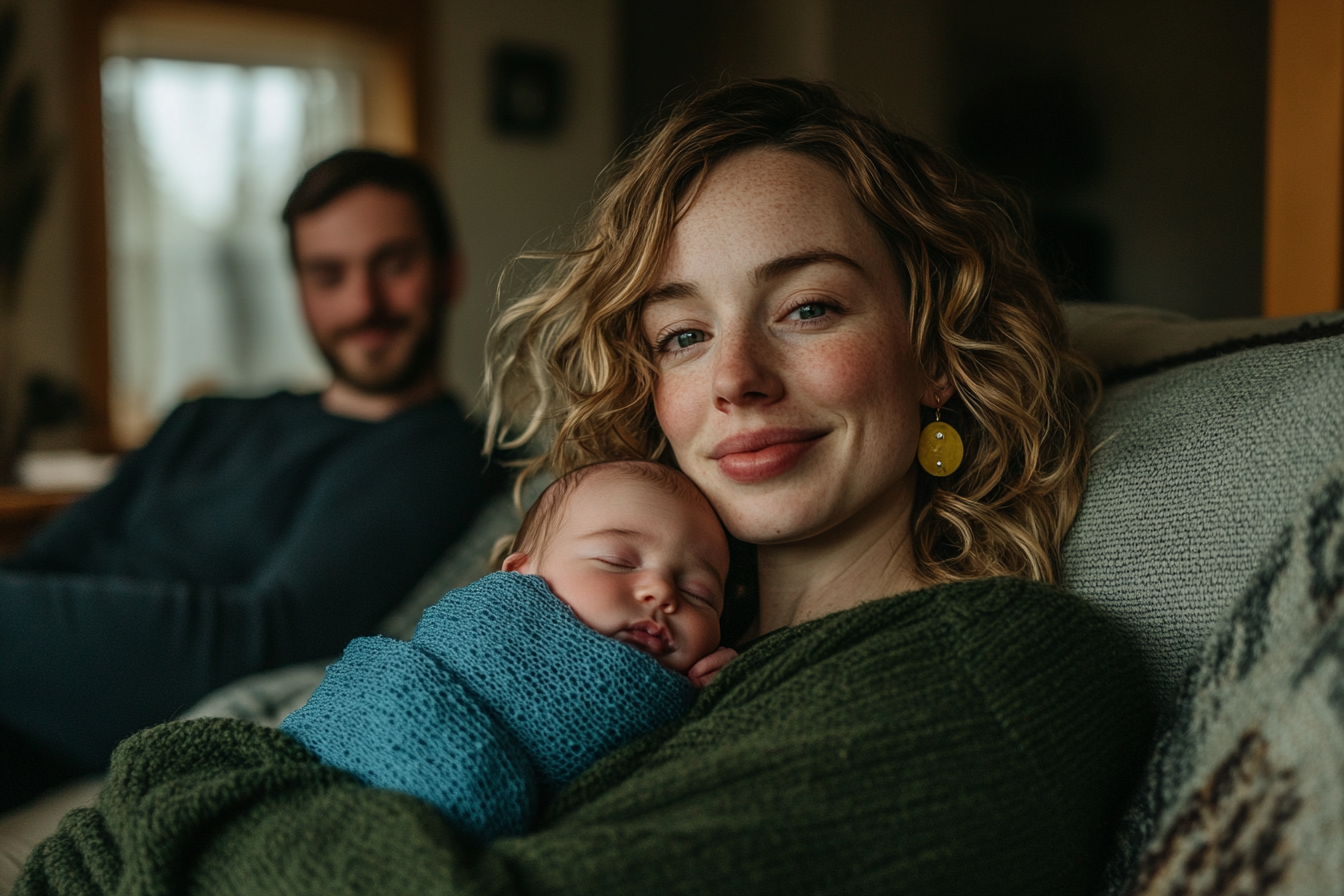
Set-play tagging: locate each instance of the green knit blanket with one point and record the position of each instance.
(963, 738)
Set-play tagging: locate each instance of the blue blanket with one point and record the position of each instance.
(500, 699)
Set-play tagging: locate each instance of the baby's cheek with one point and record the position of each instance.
(708, 636)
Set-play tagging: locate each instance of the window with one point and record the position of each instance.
(207, 125)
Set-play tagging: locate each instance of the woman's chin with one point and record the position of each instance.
(780, 527)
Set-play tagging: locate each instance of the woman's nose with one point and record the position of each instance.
(744, 371)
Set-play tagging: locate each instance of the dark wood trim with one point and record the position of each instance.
(1304, 158)
(405, 24)
(84, 20)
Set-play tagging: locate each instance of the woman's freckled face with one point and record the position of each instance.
(786, 383)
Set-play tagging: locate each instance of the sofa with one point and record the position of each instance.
(1211, 532)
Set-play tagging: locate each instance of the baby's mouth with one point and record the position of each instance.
(648, 636)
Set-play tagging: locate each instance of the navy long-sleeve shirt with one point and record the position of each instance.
(248, 533)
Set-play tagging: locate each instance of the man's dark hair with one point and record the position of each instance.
(339, 174)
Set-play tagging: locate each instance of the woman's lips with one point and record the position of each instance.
(764, 453)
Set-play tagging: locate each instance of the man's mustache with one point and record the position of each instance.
(381, 321)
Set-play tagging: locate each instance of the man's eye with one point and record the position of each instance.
(397, 264)
(324, 277)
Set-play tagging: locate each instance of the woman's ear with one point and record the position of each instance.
(938, 392)
(515, 562)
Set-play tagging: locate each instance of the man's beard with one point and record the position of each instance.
(423, 357)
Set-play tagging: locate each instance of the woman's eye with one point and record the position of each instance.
(811, 310)
(681, 339)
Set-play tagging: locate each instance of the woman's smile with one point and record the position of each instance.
(763, 453)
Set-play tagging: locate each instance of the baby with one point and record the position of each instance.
(598, 629)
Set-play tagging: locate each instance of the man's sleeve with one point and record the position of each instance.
(64, 543)
(85, 660)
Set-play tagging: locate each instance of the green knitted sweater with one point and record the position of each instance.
(965, 738)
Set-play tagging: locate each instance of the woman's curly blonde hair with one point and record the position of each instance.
(570, 360)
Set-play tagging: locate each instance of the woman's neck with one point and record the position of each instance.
(869, 556)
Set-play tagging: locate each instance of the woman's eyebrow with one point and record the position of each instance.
(778, 267)
(669, 291)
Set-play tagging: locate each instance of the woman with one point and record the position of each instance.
(773, 295)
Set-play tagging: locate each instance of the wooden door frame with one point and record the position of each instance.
(1304, 158)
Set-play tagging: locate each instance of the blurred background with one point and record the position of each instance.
(174, 131)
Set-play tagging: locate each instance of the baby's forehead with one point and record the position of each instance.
(665, 485)
(596, 498)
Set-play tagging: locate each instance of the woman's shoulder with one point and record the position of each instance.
(1036, 662)
(1034, 623)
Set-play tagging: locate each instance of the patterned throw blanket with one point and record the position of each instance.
(1245, 792)
(972, 738)
(502, 695)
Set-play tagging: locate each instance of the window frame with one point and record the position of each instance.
(392, 35)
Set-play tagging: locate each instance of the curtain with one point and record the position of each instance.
(200, 158)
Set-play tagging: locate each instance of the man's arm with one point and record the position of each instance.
(65, 543)
(86, 660)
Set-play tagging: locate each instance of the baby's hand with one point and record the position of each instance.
(703, 672)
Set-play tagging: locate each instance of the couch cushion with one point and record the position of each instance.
(1245, 791)
(1120, 338)
(1197, 470)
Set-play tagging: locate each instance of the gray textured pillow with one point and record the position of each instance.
(1198, 469)
(1245, 791)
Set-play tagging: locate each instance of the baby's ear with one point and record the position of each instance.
(502, 547)
(515, 562)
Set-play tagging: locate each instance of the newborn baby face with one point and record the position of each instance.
(639, 564)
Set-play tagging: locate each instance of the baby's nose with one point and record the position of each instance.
(658, 590)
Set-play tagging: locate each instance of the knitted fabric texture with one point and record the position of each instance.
(969, 738)
(1197, 470)
(500, 698)
(1245, 791)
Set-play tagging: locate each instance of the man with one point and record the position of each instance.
(251, 533)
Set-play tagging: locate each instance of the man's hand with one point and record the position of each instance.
(703, 672)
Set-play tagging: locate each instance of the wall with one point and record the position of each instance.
(895, 54)
(1179, 89)
(508, 192)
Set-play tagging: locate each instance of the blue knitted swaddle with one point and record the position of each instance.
(501, 698)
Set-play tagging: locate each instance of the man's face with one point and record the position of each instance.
(373, 293)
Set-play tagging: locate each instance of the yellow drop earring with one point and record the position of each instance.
(940, 448)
